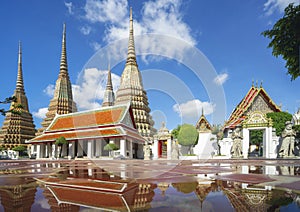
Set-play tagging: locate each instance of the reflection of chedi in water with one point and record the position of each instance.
(17, 194)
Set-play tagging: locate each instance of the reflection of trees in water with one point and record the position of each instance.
(242, 199)
(185, 187)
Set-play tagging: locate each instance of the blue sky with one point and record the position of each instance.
(192, 54)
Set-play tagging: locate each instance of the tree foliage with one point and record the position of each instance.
(15, 109)
(21, 149)
(279, 119)
(256, 136)
(175, 132)
(285, 39)
(111, 147)
(188, 135)
(60, 142)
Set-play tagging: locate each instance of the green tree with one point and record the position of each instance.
(60, 142)
(256, 136)
(15, 109)
(279, 119)
(297, 129)
(285, 39)
(187, 136)
(2, 148)
(110, 147)
(175, 132)
(21, 149)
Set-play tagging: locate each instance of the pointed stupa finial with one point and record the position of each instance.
(109, 96)
(202, 112)
(261, 84)
(63, 59)
(109, 82)
(20, 83)
(131, 57)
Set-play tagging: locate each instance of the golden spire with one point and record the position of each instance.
(109, 96)
(63, 59)
(20, 83)
(109, 83)
(131, 57)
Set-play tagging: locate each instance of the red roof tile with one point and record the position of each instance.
(108, 116)
(238, 115)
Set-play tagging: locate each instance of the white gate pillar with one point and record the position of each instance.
(155, 149)
(245, 144)
(123, 147)
(71, 149)
(90, 149)
(169, 149)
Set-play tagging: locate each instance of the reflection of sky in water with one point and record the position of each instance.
(171, 195)
(40, 202)
(214, 201)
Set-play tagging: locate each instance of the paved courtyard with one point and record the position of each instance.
(279, 173)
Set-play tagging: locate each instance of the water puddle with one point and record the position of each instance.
(122, 186)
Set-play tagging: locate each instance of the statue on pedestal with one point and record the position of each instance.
(175, 151)
(288, 141)
(236, 149)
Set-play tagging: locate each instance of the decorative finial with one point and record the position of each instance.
(261, 84)
(130, 14)
(256, 83)
(20, 84)
(252, 82)
(109, 96)
(109, 82)
(202, 111)
(131, 57)
(63, 59)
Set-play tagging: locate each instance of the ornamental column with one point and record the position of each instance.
(245, 142)
(123, 147)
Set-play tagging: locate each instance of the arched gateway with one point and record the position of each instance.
(250, 114)
(258, 121)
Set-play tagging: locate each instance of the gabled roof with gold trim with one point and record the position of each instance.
(115, 121)
(239, 113)
(203, 125)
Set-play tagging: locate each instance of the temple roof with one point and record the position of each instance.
(116, 121)
(240, 112)
(203, 125)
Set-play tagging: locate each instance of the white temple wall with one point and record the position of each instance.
(205, 148)
(226, 144)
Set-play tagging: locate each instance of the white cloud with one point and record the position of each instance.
(90, 90)
(193, 108)
(95, 45)
(106, 10)
(277, 5)
(160, 17)
(221, 79)
(85, 30)
(41, 113)
(69, 6)
(49, 90)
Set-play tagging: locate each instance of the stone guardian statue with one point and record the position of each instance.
(288, 141)
(236, 149)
